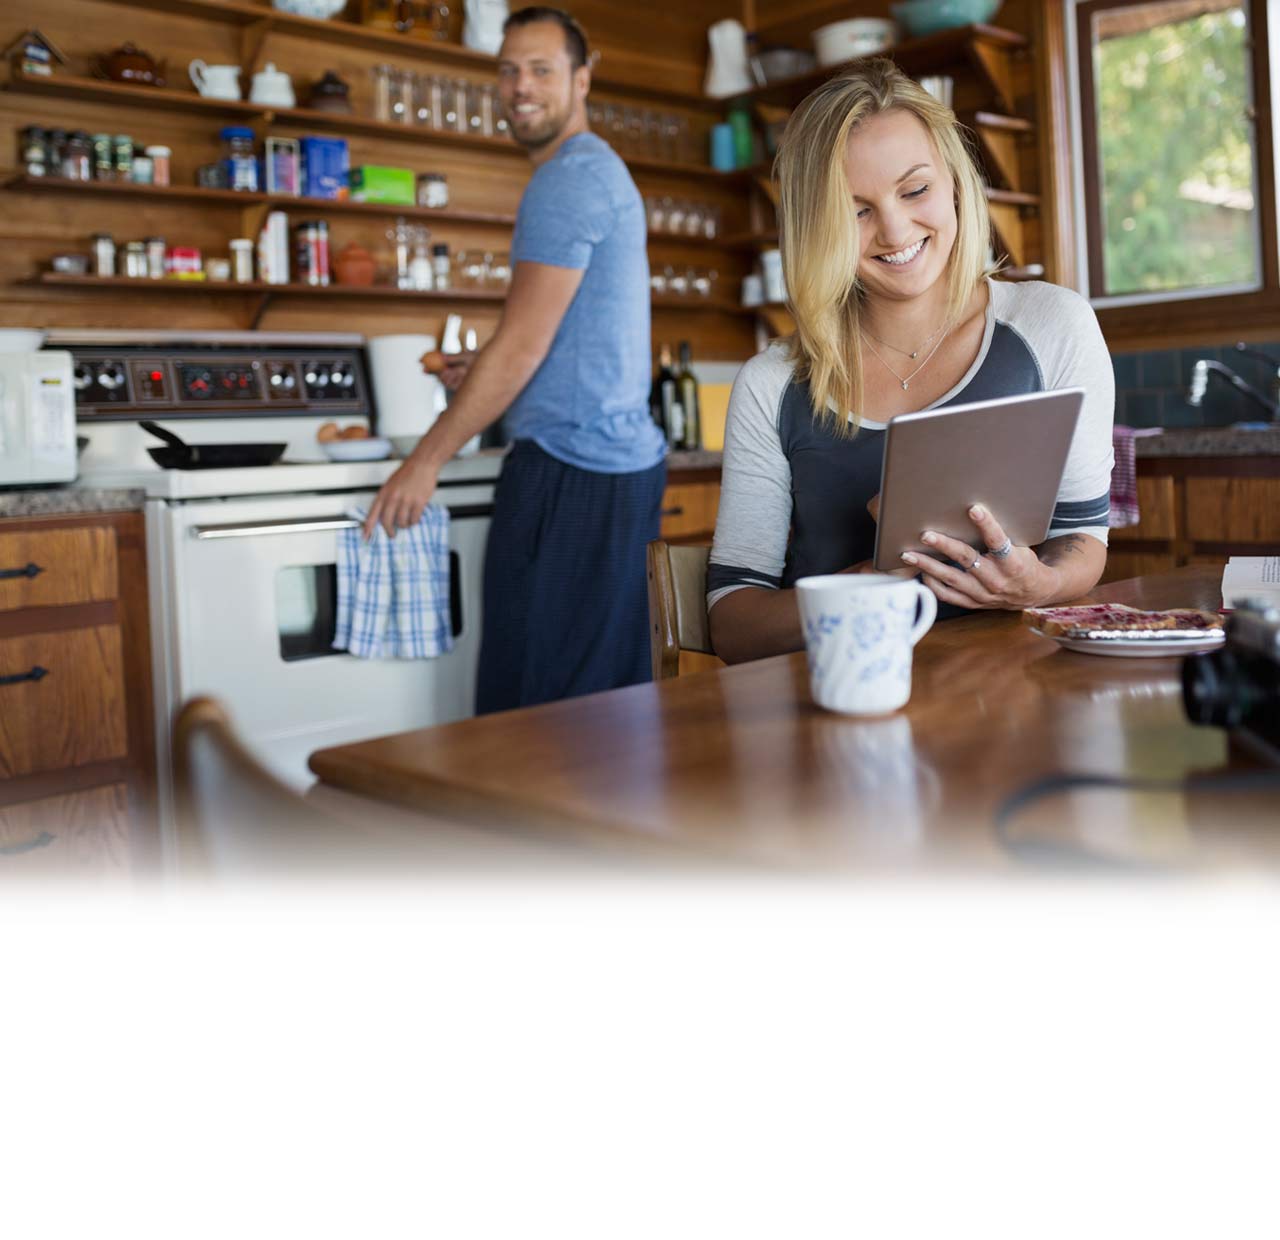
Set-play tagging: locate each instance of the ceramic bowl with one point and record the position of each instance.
(853, 37)
(357, 449)
(921, 17)
(321, 9)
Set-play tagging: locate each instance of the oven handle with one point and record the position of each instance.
(250, 529)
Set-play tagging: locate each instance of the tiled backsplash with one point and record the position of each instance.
(1151, 388)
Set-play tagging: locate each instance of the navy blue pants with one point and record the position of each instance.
(565, 597)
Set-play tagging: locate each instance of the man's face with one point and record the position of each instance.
(537, 84)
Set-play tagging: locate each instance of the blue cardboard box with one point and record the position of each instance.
(325, 164)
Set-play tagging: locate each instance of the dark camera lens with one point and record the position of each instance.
(1217, 689)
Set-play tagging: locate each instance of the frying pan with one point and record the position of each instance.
(180, 455)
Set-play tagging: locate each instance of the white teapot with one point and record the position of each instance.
(273, 87)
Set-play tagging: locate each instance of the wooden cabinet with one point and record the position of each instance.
(77, 767)
(1198, 510)
(689, 506)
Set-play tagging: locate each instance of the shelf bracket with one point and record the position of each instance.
(258, 310)
(253, 38)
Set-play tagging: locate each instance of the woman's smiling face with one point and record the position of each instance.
(905, 199)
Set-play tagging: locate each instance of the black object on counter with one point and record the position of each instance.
(180, 455)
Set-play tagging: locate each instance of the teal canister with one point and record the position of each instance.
(723, 158)
(744, 152)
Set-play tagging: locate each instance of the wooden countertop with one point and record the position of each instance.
(739, 764)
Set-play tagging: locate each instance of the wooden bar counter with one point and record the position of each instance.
(739, 764)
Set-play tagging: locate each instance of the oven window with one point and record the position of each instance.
(307, 604)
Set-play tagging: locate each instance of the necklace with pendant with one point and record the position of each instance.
(905, 380)
(912, 355)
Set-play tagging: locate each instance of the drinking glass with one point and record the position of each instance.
(693, 220)
(655, 214)
(653, 139)
(658, 280)
(381, 75)
(472, 268)
(635, 131)
(671, 138)
(402, 88)
(461, 119)
(702, 280)
(499, 273)
(711, 223)
(677, 281)
(675, 215)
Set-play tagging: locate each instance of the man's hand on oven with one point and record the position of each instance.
(403, 497)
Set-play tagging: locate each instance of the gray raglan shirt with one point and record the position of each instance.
(793, 496)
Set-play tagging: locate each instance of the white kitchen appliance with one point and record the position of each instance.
(37, 418)
(241, 562)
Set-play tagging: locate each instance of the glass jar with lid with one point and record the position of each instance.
(160, 157)
(77, 156)
(135, 260)
(433, 189)
(104, 255)
(35, 152)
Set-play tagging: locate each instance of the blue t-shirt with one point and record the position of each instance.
(588, 403)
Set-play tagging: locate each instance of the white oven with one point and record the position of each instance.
(245, 592)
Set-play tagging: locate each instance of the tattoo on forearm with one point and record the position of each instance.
(1058, 549)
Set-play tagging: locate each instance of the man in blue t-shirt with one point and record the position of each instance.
(565, 608)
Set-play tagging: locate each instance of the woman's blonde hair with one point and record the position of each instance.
(819, 219)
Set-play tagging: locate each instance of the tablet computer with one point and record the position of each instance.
(1007, 455)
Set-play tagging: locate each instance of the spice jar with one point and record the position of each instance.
(311, 248)
(104, 167)
(441, 266)
(143, 170)
(135, 260)
(104, 255)
(217, 269)
(122, 156)
(155, 258)
(55, 141)
(433, 190)
(160, 158)
(242, 260)
(77, 157)
(33, 155)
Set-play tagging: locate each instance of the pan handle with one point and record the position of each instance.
(168, 436)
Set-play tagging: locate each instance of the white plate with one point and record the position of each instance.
(357, 449)
(1140, 648)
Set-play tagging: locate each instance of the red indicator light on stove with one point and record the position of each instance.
(157, 375)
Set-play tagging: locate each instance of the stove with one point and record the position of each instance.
(241, 562)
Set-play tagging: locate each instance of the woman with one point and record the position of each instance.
(884, 244)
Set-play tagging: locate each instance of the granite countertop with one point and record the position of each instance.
(1210, 441)
(701, 459)
(68, 501)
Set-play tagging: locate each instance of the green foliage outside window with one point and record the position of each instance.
(1177, 156)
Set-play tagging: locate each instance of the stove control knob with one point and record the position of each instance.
(81, 377)
(282, 379)
(321, 377)
(110, 376)
(343, 376)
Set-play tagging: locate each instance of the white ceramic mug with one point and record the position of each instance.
(215, 81)
(859, 631)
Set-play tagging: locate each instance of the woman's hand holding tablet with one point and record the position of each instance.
(1006, 578)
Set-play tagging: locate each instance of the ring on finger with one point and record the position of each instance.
(1002, 550)
(975, 565)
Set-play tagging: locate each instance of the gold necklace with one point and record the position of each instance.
(906, 382)
(904, 352)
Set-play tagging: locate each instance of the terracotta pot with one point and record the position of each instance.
(353, 264)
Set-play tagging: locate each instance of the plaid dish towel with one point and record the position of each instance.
(1124, 479)
(393, 593)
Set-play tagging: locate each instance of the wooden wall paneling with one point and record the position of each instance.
(1157, 509)
(1006, 219)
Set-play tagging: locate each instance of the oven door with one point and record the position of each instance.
(251, 601)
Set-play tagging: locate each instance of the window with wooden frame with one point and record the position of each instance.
(1168, 142)
(1177, 173)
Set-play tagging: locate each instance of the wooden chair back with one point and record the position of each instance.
(677, 605)
(233, 815)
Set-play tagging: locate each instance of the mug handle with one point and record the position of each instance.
(196, 69)
(928, 613)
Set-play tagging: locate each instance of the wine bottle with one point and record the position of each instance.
(692, 437)
(665, 394)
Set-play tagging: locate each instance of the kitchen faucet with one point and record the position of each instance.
(1201, 371)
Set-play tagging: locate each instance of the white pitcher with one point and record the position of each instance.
(215, 81)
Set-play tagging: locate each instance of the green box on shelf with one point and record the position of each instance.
(376, 183)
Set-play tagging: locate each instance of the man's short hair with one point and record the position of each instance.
(575, 38)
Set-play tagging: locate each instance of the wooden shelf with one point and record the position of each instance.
(914, 56)
(750, 241)
(54, 279)
(352, 34)
(238, 198)
(68, 86)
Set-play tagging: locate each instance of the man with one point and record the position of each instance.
(565, 608)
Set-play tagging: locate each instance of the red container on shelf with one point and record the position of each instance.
(184, 262)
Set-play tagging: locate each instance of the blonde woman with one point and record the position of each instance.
(884, 247)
